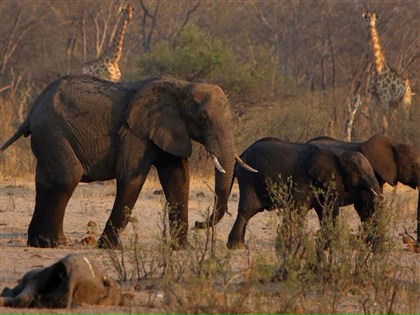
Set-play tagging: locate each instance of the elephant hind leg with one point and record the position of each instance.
(52, 195)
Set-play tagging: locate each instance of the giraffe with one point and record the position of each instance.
(386, 87)
(106, 66)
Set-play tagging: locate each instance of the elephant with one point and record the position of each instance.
(73, 280)
(85, 129)
(391, 160)
(310, 168)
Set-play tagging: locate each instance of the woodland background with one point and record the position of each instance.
(289, 68)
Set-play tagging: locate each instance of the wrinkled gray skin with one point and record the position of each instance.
(86, 129)
(307, 166)
(72, 281)
(391, 160)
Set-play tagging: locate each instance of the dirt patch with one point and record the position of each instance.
(90, 207)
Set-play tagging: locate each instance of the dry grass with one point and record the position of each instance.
(17, 161)
(331, 271)
(208, 278)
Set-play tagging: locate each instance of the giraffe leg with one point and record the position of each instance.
(382, 110)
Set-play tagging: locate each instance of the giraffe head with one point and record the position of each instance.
(371, 17)
(127, 12)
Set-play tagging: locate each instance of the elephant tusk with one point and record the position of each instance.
(217, 164)
(374, 192)
(90, 267)
(244, 165)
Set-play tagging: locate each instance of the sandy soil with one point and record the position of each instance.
(92, 202)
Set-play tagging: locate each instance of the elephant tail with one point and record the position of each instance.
(24, 127)
(22, 131)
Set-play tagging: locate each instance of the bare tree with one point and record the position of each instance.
(328, 49)
(103, 19)
(353, 106)
(173, 18)
(189, 12)
(302, 49)
(148, 29)
(14, 38)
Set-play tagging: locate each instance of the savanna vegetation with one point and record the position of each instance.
(331, 271)
(290, 70)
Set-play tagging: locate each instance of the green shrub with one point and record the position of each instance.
(196, 55)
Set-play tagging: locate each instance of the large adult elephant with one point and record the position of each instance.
(391, 160)
(86, 129)
(309, 168)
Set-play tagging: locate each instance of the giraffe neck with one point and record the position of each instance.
(377, 50)
(117, 45)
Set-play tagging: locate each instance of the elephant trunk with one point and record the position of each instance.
(23, 299)
(223, 156)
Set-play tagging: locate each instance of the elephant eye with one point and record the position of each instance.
(204, 116)
(203, 120)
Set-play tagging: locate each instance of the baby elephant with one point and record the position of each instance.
(72, 281)
(309, 168)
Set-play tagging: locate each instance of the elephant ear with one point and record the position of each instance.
(324, 167)
(155, 114)
(351, 166)
(380, 153)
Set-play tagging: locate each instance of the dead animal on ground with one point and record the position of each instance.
(72, 281)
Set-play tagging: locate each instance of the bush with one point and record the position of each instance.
(337, 263)
(196, 55)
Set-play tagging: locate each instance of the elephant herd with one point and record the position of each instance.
(359, 171)
(85, 129)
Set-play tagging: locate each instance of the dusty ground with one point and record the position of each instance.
(92, 202)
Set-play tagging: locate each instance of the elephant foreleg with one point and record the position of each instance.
(135, 158)
(249, 205)
(175, 180)
(127, 193)
(365, 206)
(324, 211)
